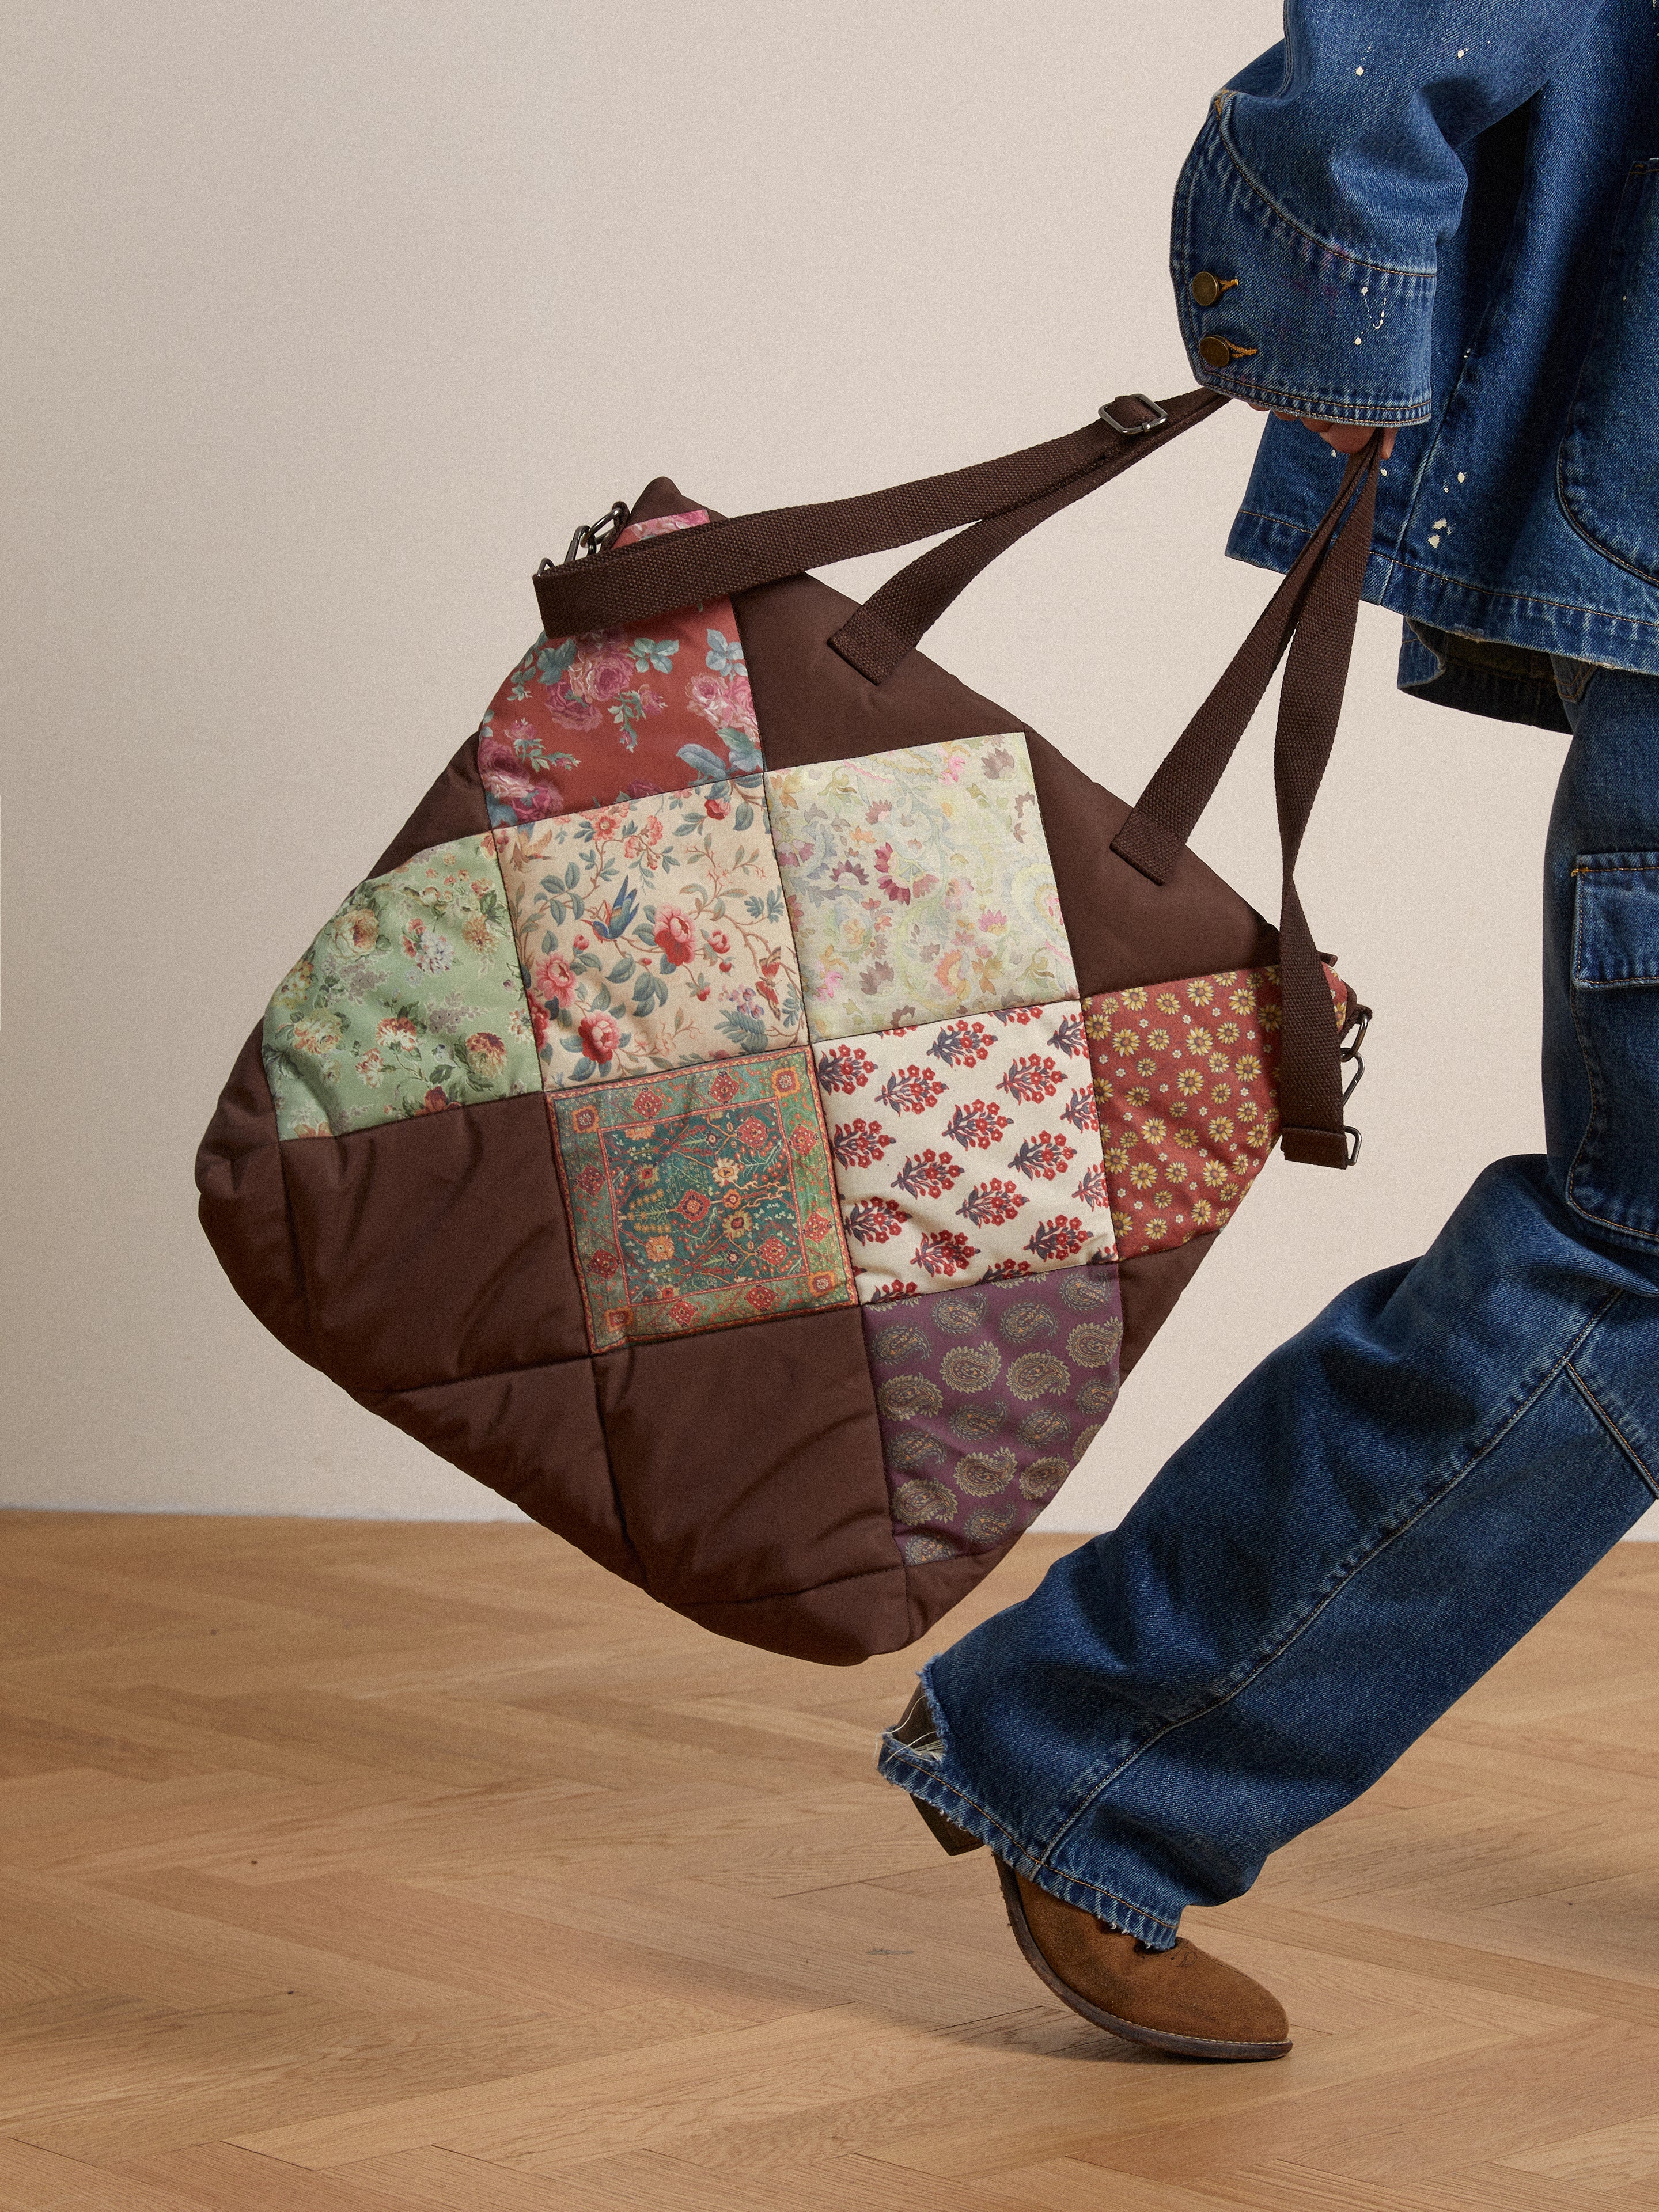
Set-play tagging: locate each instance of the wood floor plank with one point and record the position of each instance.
(351, 1866)
(217, 2175)
(35, 2180)
(1601, 2158)
(1064, 2184)
(650, 2181)
(443, 2181)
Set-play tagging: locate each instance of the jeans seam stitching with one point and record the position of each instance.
(1574, 989)
(1300, 1628)
(1614, 1429)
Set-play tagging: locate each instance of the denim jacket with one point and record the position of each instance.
(1443, 214)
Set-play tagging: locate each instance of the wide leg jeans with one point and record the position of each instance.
(1391, 1499)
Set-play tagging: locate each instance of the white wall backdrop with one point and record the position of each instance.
(325, 321)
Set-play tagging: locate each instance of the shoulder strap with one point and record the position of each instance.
(629, 583)
(1317, 605)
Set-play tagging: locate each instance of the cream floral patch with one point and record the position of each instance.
(409, 1001)
(919, 884)
(653, 934)
(967, 1151)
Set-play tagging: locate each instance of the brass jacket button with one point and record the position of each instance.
(1206, 288)
(1215, 353)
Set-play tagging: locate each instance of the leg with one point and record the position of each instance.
(1390, 1500)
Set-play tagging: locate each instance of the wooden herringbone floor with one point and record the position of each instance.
(349, 1866)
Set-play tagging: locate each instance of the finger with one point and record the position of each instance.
(1352, 437)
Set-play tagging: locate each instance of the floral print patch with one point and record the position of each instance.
(1186, 1077)
(623, 714)
(987, 1399)
(920, 885)
(660, 525)
(700, 1199)
(653, 934)
(408, 1002)
(967, 1151)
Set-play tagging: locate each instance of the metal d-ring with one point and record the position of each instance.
(596, 537)
(1351, 1052)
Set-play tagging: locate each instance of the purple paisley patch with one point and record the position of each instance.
(987, 1398)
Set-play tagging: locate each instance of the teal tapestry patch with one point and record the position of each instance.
(701, 1199)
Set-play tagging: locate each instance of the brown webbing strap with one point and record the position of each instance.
(1168, 811)
(1310, 707)
(1318, 604)
(687, 565)
(896, 618)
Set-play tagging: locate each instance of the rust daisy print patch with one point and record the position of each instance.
(1187, 1076)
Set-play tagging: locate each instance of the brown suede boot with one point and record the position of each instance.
(1180, 2000)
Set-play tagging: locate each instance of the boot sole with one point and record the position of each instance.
(1155, 2039)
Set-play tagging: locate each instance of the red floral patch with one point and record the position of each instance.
(1044, 1157)
(946, 1252)
(876, 1220)
(846, 1068)
(911, 1091)
(1058, 1239)
(979, 1124)
(860, 1143)
(990, 1204)
(928, 1174)
(1032, 1079)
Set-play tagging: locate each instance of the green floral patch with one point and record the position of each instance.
(410, 1001)
(701, 1199)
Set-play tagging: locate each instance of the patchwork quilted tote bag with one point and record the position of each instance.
(765, 1100)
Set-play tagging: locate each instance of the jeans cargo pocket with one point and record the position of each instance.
(1607, 471)
(1614, 1179)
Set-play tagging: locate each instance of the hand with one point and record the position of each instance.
(1341, 437)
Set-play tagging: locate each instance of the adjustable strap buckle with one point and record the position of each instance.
(1157, 416)
(596, 537)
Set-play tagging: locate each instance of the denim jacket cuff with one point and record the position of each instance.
(1309, 328)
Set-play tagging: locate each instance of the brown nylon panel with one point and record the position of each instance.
(748, 1461)
(436, 1247)
(1149, 1285)
(244, 1209)
(835, 1626)
(1124, 929)
(453, 807)
(813, 707)
(535, 1436)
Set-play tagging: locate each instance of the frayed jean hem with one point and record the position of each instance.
(919, 1777)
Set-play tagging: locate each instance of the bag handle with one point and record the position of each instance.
(628, 583)
(1310, 1086)
(1169, 809)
